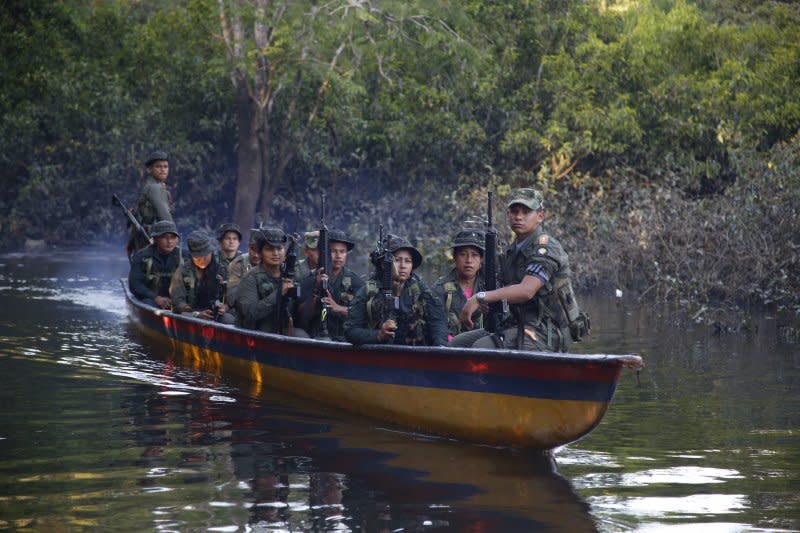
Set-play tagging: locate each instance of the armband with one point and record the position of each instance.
(538, 270)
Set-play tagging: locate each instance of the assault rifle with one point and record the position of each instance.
(219, 302)
(285, 300)
(324, 264)
(391, 303)
(132, 220)
(494, 318)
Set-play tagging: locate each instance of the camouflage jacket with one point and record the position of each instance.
(420, 319)
(151, 272)
(448, 290)
(343, 289)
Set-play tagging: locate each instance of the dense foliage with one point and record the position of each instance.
(664, 132)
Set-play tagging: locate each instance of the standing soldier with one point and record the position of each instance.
(343, 284)
(229, 237)
(154, 199)
(536, 283)
(463, 280)
(152, 267)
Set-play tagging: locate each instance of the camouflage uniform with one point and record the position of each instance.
(151, 271)
(448, 290)
(343, 289)
(154, 203)
(420, 319)
(545, 321)
(188, 290)
(257, 300)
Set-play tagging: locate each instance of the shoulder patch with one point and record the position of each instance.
(544, 238)
(541, 251)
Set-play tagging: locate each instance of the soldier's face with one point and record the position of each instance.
(338, 255)
(202, 261)
(229, 242)
(522, 220)
(159, 170)
(403, 265)
(467, 261)
(166, 243)
(312, 256)
(272, 256)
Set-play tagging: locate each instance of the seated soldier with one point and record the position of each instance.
(264, 296)
(152, 267)
(463, 280)
(229, 237)
(418, 317)
(342, 284)
(197, 287)
(236, 271)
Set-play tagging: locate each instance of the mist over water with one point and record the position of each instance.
(100, 430)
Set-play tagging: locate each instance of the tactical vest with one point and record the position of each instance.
(453, 321)
(415, 333)
(152, 278)
(554, 310)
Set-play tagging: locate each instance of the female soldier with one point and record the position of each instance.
(417, 317)
(463, 280)
(197, 286)
(264, 295)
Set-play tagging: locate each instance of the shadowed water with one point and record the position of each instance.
(100, 431)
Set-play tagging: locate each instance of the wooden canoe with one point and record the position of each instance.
(500, 397)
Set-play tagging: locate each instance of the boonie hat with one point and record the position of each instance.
(530, 198)
(394, 243)
(271, 236)
(311, 239)
(225, 228)
(336, 235)
(200, 243)
(158, 155)
(470, 237)
(161, 227)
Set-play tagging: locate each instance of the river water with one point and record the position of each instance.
(100, 431)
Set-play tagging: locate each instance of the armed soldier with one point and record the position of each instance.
(417, 317)
(308, 265)
(229, 237)
(463, 280)
(152, 267)
(236, 271)
(198, 286)
(343, 284)
(263, 292)
(154, 201)
(536, 283)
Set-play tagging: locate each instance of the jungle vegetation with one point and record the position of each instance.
(664, 133)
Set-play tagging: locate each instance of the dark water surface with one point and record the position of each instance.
(101, 432)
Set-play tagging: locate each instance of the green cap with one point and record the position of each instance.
(158, 155)
(200, 243)
(470, 237)
(271, 236)
(530, 198)
(394, 243)
(225, 228)
(161, 227)
(337, 235)
(311, 239)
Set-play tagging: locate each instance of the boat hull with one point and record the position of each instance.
(499, 397)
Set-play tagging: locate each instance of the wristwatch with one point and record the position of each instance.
(481, 297)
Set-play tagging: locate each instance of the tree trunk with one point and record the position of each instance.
(248, 185)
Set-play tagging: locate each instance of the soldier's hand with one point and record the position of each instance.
(163, 302)
(466, 312)
(286, 284)
(387, 330)
(321, 276)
